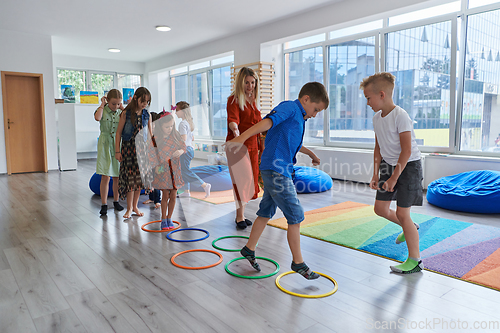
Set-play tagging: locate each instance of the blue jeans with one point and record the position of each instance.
(187, 175)
(279, 191)
(155, 196)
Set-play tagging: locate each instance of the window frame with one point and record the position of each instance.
(209, 71)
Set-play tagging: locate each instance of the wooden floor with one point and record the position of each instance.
(65, 269)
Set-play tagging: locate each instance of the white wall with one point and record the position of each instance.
(30, 53)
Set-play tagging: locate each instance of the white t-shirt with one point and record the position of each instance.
(387, 130)
(185, 129)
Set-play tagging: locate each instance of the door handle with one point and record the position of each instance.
(8, 123)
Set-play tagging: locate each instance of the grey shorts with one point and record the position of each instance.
(408, 190)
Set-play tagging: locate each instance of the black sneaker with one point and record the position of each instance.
(104, 210)
(248, 222)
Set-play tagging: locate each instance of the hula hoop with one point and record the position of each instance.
(303, 295)
(172, 260)
(149, 230)
(256, 276)
(188, 240)
(224, 237)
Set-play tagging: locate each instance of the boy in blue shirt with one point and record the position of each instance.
(285, 127)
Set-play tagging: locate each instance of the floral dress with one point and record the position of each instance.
(166, 171)
(130, 170)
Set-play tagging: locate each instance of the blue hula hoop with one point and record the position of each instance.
(188, 240)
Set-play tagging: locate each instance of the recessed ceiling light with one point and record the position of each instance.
(163, 28)
(114, 50)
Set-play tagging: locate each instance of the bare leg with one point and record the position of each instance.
(240, 211)
(116, 195)
(258, 227)
(382, 208)
(293, 237)
(130, 200)
(171, 203)
(136, 201)
(164, 203)
(410, 231)
(105, 187)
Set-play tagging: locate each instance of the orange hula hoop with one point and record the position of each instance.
(195, 250)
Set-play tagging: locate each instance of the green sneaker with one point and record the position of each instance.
(408, 267)
(401, 237)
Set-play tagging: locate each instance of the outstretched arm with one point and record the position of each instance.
(260, 127)
(315, 159)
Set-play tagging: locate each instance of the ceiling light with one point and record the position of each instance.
(114, 50)
(163, 28)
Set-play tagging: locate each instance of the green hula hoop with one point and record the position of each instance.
(256, 276)
(224, 237)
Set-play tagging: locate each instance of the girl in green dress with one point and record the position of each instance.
(108, 115)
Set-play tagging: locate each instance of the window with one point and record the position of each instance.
(420, 59)
(350, 118)
(301, 67)
(221, 89)
(200, 103)
(179, 89)
(73, 78)
(97, 81)
(206, 90)
(128, 81)
(480, 106)
(101, 83)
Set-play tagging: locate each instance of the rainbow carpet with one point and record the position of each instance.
(459, 249)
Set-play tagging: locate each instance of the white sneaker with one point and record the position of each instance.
(207, 190)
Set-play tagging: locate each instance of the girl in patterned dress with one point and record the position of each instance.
(133, 119)
(164, 160)
(108, 115)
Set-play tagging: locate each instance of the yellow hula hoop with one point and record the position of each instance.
(304, 295)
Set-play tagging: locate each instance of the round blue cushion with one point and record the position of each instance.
(311, 180)
(471, 192)
(217, 175)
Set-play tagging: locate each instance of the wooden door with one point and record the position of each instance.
(24, 122)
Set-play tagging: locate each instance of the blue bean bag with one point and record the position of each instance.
(311, 180)
(217, 175)
(95, 185)
(471, 192)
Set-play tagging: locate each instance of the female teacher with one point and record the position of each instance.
(242, 113)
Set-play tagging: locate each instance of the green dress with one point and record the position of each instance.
(107, 164)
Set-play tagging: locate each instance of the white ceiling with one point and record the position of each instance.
(89, 28)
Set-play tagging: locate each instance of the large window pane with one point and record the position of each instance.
(102, 83)
(302, 67)
(74, 78)
(199, 103)
(221, 89)
(420, 59)
(128, 81)
(179, 89)
(350, 117)
(481, 109)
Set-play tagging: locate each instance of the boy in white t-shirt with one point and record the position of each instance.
(397, 159)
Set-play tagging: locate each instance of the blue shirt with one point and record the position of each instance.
(284, 138)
